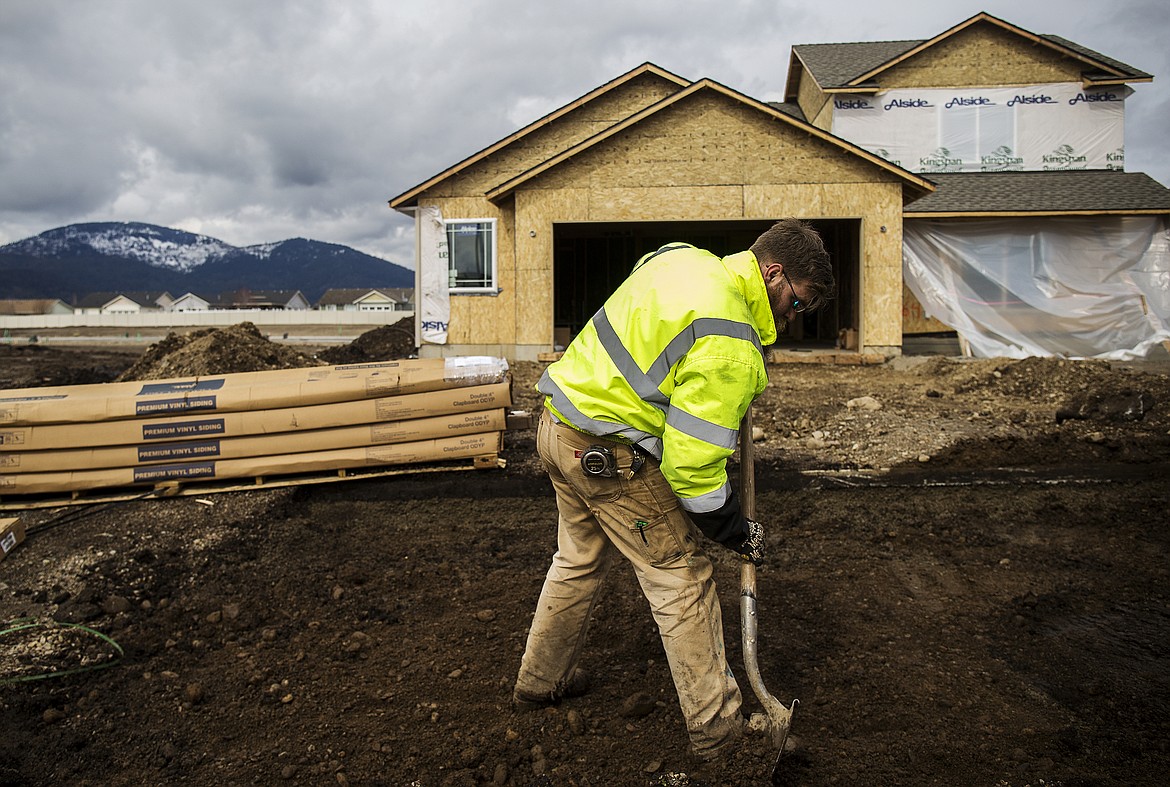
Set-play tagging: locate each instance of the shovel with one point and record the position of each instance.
(778, 718)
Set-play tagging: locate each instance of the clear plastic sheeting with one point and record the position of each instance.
(1072, 287)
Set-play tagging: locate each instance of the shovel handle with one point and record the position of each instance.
(779, 717)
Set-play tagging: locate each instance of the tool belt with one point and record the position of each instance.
(600, 462)
(599, 459)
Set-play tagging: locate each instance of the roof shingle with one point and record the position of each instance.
(1074, 191)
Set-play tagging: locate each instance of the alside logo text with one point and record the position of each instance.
(1093, 98)
(976, 101)
(908, 103)
(969, 101)
(1035, 98)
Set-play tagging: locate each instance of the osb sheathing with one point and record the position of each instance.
(545, 141)
(814, 102)
(708, 140)
(713, 158)
(536, 212)
(983, 55)
(914, 317)
(881, 286)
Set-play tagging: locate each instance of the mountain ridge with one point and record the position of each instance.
(75, 260)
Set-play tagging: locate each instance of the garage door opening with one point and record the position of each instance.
(591, 260)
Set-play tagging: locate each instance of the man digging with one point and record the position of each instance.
(640, 416)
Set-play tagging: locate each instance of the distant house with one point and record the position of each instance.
(29, 306)
(151, 300)
(190, 302)
(124, 302)
(288, 300)
(398, 299)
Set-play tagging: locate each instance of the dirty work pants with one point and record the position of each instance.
(638, 515)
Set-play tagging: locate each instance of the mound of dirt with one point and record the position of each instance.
(238, 348)
(384, 343)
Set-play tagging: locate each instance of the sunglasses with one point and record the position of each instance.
(798, 305)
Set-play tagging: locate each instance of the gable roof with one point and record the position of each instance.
(409, 198)
(148, 299)
(194, 296)
(1066, 193)
(918, 184)
(837, 65)
(395, 294)
(853, 67)
(341, 296)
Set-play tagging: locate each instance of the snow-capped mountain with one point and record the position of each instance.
(73, 261)
(161, 247)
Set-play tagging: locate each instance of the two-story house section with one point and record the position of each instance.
(1036, 241)
(985, 96)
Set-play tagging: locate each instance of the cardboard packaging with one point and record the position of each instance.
(847, 339)
(11, 534)
(439, 450)
(412, 430)
(142, 431)
(245, 390)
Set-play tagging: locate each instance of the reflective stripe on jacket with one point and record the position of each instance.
(671, 363)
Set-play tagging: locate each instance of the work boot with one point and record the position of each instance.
(734, 729)
(745, 750)
(577, 684)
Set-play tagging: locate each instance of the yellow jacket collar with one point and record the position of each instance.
(745, 268)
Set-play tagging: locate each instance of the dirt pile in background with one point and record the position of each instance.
(384, 343)
(206, 351)
(238, 348)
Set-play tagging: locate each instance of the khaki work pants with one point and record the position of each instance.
(635, 514)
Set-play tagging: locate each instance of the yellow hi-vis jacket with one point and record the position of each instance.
(671, 363)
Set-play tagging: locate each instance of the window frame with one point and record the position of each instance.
(491, 274)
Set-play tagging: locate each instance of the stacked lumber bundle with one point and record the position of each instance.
(251, 424)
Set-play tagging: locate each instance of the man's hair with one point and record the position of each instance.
(798, 247)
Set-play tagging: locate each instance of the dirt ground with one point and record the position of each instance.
(967, 584)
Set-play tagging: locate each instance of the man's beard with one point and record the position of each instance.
(775, 301)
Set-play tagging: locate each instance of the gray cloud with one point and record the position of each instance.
(256, 122)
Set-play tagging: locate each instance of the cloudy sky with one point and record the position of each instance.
(257, 122)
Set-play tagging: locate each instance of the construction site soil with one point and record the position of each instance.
(966, 584)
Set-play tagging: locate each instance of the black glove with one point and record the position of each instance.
(751, 546)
